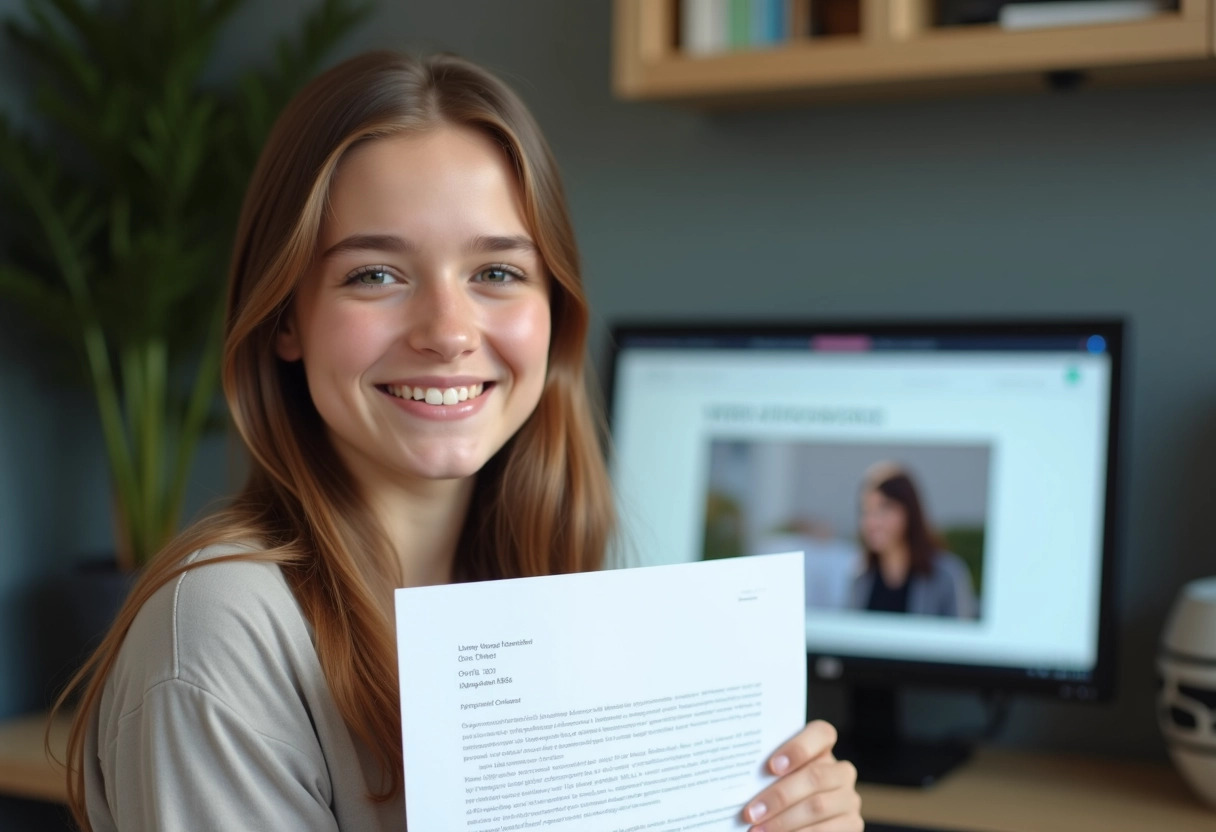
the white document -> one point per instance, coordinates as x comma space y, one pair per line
630, 699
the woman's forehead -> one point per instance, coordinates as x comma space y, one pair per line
445, 179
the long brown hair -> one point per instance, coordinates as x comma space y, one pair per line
543, 502
922, 540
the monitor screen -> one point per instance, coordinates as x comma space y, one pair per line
950, 485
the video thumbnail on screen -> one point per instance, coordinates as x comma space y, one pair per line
890, 528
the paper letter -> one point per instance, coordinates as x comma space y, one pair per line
630, 699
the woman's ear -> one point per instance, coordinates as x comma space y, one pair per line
286, 341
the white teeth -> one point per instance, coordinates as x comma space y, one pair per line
435, 396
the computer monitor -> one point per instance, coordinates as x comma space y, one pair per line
950, 484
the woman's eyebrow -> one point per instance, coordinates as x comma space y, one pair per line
399, 245
507, 242
370, 242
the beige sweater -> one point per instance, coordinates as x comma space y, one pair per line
217, 716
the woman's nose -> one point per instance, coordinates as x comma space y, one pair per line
443, 322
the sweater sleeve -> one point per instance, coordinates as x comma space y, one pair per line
185, 760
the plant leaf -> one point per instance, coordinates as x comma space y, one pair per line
115, 223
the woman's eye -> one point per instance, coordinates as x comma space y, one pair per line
372, 277
499, 274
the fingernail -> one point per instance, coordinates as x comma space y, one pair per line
756, 812
781, 763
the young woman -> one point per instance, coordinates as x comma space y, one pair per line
404, 362
907, 569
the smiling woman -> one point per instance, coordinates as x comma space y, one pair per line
430, 281
404, 361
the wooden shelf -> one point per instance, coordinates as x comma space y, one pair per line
894, 50
25, 770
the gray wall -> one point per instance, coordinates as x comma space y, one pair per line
1097, 202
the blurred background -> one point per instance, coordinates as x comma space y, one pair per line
1088, 201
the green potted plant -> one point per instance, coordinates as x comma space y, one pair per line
117, 206
118, 199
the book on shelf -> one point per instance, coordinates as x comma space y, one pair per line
770, 22
1075, 13
709, 27
906, 18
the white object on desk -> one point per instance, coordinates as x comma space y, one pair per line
1186, 701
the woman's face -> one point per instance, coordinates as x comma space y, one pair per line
423, 326
884, 522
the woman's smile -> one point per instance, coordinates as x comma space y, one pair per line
439, 401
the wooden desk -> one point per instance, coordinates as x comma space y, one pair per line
24, 769
998, 791
1007, 791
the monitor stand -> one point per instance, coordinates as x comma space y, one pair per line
876, 745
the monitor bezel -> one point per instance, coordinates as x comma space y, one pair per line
1100, 686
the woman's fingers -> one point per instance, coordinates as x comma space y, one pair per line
813, 790
820, 788
815, 740
817, 792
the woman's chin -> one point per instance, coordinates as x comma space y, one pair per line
445, 473
446, 467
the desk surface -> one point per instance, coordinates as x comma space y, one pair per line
998, 791
25, 770
1007, 791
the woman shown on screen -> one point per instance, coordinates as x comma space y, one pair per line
404, 362
906, 569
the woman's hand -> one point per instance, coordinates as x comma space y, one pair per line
813, 791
